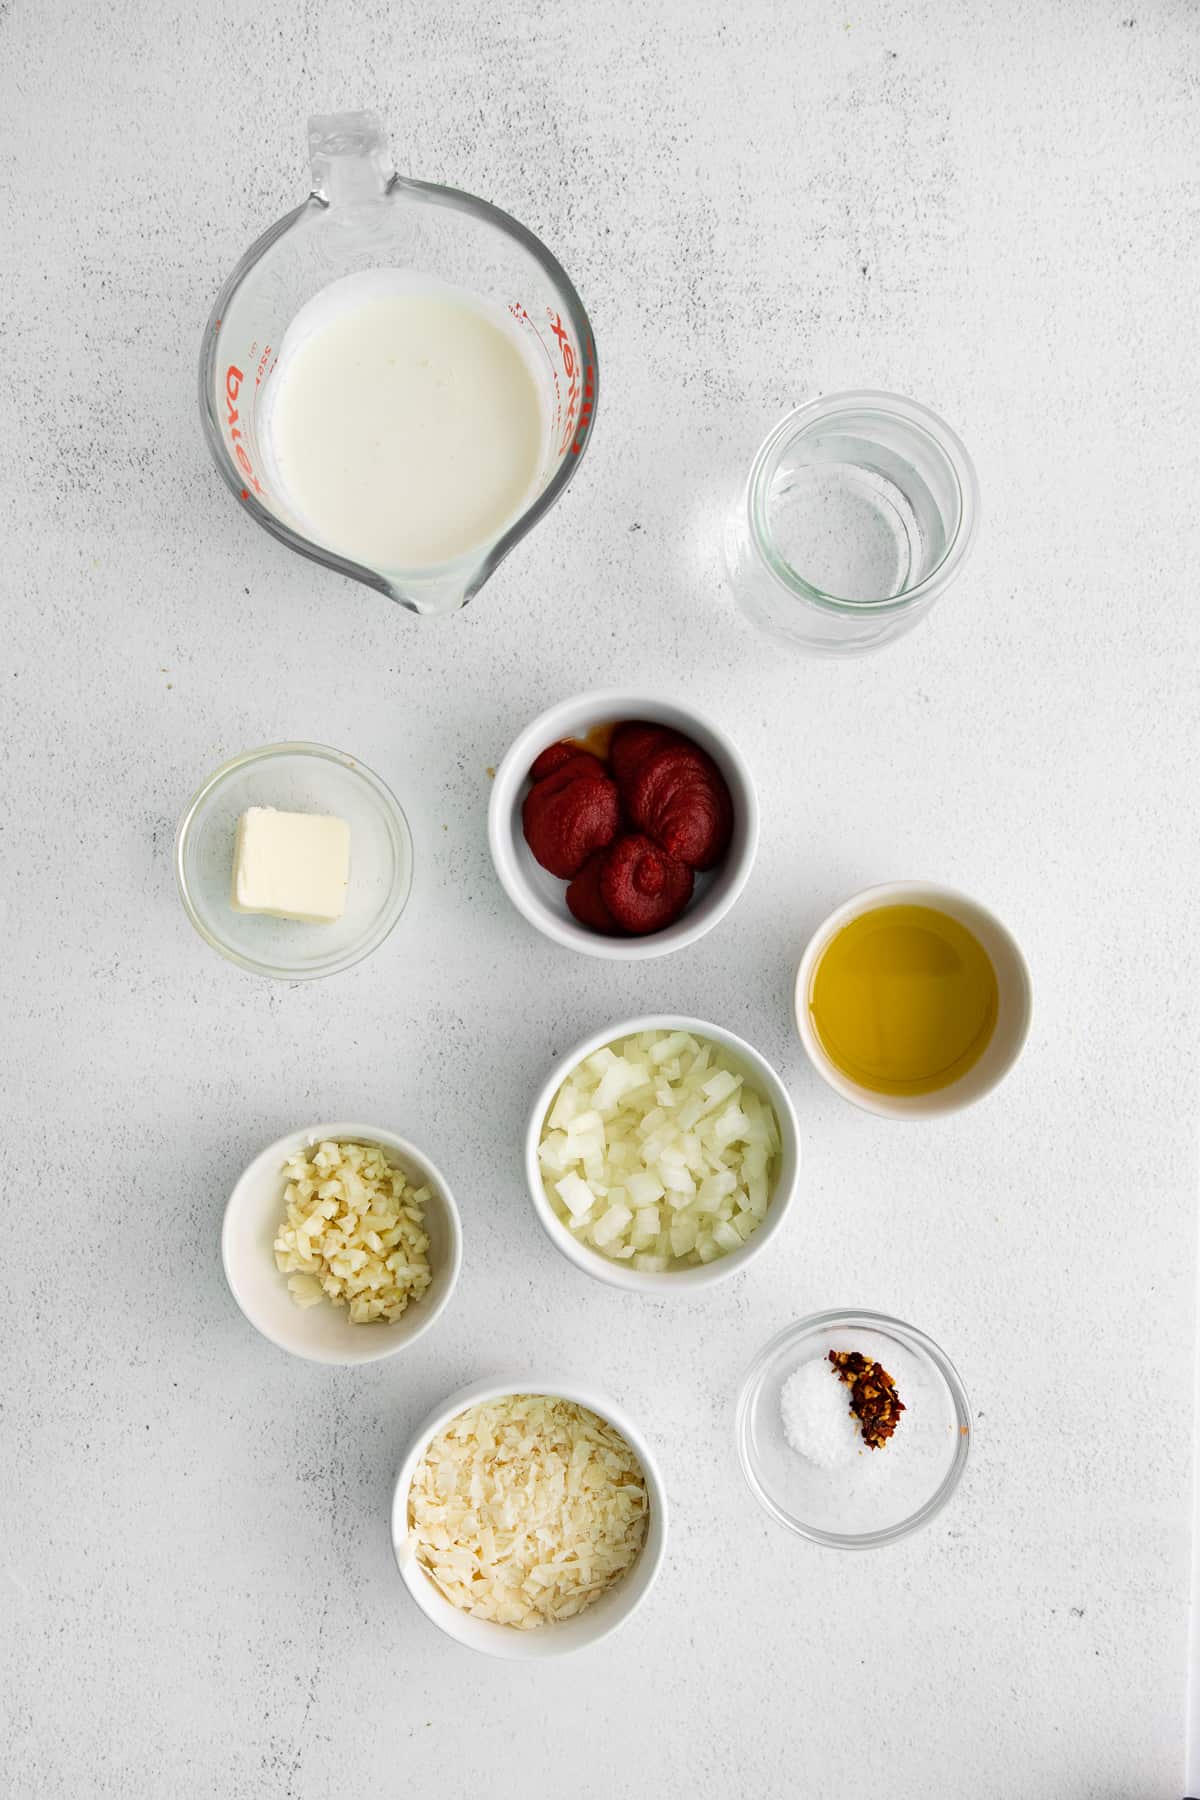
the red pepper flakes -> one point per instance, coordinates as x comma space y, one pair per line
873, 1397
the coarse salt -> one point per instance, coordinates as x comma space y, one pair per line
817, 1420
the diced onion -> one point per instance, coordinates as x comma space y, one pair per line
659, 1150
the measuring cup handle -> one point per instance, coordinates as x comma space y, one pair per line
349, 157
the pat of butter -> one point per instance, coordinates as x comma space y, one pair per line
291, 865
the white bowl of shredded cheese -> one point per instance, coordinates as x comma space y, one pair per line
379, 1278
588, 1538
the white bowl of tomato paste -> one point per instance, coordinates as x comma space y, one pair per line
622, 825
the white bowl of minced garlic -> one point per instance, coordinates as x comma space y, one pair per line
341, 1243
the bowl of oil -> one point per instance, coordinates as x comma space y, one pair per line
912, 1000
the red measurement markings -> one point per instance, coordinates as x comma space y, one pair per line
233, 387
581, 389
589, 401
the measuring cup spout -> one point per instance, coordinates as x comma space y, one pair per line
435, 596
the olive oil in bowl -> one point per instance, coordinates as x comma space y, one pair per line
903, 1000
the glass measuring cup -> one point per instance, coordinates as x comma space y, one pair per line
859, 511
361, 215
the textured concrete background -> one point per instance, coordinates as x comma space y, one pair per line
994, 208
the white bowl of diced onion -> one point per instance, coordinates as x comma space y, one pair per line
736, 1212
557, 1638
323, 1332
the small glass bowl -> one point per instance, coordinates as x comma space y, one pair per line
886, 1493
295, 778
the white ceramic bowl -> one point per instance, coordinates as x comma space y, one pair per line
606, 1613
542, 898
1012, 1022
324, 1333
669, 1281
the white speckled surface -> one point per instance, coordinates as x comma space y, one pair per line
992, 208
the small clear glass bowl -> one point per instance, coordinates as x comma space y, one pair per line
883, 1494
295, 778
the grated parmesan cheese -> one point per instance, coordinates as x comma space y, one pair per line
353, 1232
526, 1509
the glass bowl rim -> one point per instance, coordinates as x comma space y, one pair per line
916, 417
831, 1319
398, 831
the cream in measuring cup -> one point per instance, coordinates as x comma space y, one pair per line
404, 422
430, 370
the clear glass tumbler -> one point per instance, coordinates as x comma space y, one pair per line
859, 512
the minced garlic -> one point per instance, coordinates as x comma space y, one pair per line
525, 1510
353, 1232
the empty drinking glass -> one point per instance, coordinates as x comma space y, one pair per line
859, 512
